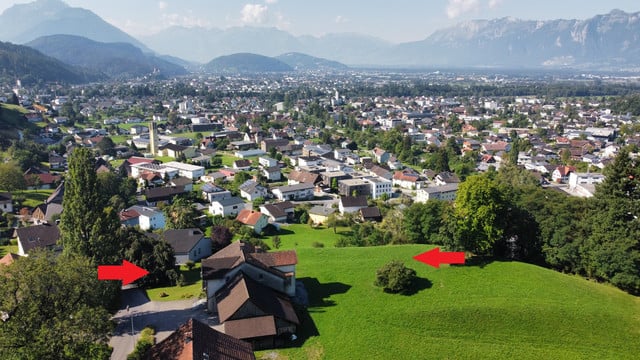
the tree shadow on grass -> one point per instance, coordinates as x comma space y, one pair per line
478, 261
418, 285
311, 297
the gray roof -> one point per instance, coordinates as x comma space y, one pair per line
234, 200
183, 240
321, 210
441, 189
38, 236
296, 187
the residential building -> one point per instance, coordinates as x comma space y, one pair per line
251, 190
6, 202
43, 236
147, 218
352, 204
299, 177
319, 214
445, 192
407, 180
272, 173
188, 244
380, 186
561, 173
212, 192
302, 191
194, 340
253, 219
576, 178
227, 207
354, 187
193, 172
278, 212
371, 213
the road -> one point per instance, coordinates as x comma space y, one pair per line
165, 316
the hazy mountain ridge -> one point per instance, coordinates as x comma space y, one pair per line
117, 60
299, 61
22, 23
29, 65
246, 63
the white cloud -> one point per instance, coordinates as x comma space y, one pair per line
188, 20
341, 19
254, 14
270, 1
456, 8
494, 3
162, 5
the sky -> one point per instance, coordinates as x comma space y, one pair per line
392, 20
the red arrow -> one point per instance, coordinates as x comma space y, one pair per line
434, 257
127, 272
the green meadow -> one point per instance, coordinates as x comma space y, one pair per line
497, 310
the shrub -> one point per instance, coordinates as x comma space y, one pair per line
276, 242
317, 244
394, 277
146, 341
190, 265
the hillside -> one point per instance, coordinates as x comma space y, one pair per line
246, 63
502, 310
12, 121
117, 60
30, 66
22, 23
300, 61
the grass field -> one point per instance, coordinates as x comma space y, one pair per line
191, 290
298, 236
5, 249
33, 198
502, 310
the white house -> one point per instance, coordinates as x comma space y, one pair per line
188, 244
227, 207
193, 172
6, 203
147, 218
445, 192
267, 161
352, 204
303, 191
213, 192
252, 190
380, 186
161, 169
576, 178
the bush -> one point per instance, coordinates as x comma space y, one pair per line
146, 341
190, 265
317, 244
394, 277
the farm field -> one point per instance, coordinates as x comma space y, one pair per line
499, 310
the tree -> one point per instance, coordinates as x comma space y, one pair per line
276, 242
81, 204
479, 213
181, 215
154, 255
53, 309
394, 277
106, 146
11, 177
220, 236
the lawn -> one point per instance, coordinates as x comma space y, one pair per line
33, 198
191, 290
298, 236
500, 310
227, 158
5, 249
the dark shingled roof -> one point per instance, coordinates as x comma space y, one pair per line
183, 240
242, 289
197, 341
38, 236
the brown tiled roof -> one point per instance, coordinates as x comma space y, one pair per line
251, 327
304, 177
194, 339
249, 217
236, 253
351, 201
243, 289
276, 258
9, 258
371, 213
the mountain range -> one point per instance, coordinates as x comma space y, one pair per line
604, 42
116, 60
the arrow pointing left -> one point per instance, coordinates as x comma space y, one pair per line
127, 272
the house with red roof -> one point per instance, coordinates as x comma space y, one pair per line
253, 219
561, 173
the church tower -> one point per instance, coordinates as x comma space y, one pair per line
153, 133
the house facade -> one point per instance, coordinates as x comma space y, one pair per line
445, 192
303, 191
188, 244
227, 207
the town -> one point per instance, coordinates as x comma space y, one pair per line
226, 170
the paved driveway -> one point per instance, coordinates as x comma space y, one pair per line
165, 316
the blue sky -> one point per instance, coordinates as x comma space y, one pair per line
392, 20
